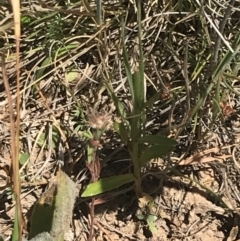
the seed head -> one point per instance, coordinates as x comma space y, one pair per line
97, 120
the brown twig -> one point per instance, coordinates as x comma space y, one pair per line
92, 220
94, 168
15, 132
14, 146
103, 229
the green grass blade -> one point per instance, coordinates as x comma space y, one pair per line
157, 140
126, 64
140, 85
155, 152
138, 92
227, 58
230, 87
137, 123
120, 108
99, 11
217, 73
201, 100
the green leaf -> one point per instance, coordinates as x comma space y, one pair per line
107, 184
140, 216
67, 192
23, 158
152, 227
55, 138
155, 152
42, 215
72, 75
46, 63
157, 140
53, 211
151, 218
41, 139
25, 19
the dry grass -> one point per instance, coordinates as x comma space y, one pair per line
66, 61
